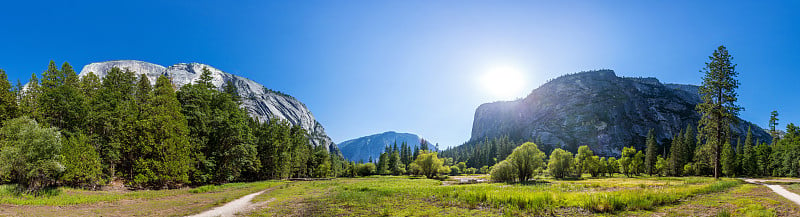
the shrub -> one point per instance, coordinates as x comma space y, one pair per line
30, 155
504, 172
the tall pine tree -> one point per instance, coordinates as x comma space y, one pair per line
650, 153
718, 109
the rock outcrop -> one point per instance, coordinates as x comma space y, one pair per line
597, 109
372, 146
261, 102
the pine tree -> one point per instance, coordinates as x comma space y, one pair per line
773, 122
728, 160
763, 152
676, 155
383, 164
29, 103
718, 109
650, 157
8, 99
689, 144
749, 165
112, 111
61, 101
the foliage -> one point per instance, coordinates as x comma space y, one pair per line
650, 154
631, 162
504, 172
583, 160
8, 99
718, 109
30, 155
429, 165
560, 164
527, 160
481, 153
82, 163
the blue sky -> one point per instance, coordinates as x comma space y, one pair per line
365, 67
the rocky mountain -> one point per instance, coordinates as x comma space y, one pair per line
371, 146
260, 102
598, 109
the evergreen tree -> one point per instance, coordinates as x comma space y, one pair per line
773, 122
763, 152
650, 158
81, 163
728, 160
8, 99
423, 145
90, 86
112, 111
61, 99
676, 155
383, 164
395, 166
718, 109
29, 103
749, 164
164, 156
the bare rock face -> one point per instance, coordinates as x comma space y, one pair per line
597, 109
261, 102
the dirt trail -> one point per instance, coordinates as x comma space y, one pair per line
231, 208
778, 189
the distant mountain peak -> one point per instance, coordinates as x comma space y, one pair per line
363, 148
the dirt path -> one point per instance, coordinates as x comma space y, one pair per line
777, 189
231, 208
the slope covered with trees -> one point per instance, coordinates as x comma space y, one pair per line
87, 131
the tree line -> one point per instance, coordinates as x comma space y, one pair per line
87, 131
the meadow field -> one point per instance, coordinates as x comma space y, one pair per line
411, 196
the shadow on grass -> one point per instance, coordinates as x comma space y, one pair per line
20, 191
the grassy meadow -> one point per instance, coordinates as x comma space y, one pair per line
405, 196
412, 196
76, 202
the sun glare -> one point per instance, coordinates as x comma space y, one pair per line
504, 83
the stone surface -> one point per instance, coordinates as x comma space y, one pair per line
261, 102
597, 109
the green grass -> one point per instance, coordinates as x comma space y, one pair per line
404, 196
71, 196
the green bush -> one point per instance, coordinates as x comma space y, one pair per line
30, 155
504, 172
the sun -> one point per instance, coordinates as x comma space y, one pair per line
504, 82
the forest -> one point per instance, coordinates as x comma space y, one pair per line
86, 132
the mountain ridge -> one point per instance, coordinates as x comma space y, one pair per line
598, 109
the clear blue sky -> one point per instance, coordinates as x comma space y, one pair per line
365, 67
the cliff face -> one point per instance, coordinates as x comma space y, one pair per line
371, 146
597, 109
261, 102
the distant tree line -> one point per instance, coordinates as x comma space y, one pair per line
88, 131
